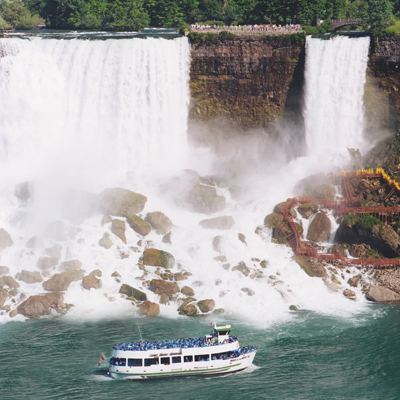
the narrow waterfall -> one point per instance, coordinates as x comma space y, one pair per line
333, 110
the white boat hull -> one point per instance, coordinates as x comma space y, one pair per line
203, 368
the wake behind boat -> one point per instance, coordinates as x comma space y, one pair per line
215, 354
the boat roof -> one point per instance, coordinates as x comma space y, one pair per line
222, 328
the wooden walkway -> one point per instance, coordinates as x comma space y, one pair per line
339, 207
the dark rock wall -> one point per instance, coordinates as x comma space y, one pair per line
246, 80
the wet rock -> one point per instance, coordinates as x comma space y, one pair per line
320, 228
91, 282
242, 238
150, 309
24, 191
222, 223
3, 297
353, 282
281, 232
159, 221
220, 259
106, 242
118, 229
187, 291
217, 244
382, 294
264, 264
139, 225
189, 310
158, 258
132, 292
4, 270
96, 273
35, 306
106, 219
218, 311
13, 313
206, 305
248, 291
293, 308
35, 242
56, 300
71, 265
164, 299
243, 268
30, 277
315, 186
307, 209
8, 281
116, 274
311, 266
349, 293
180, 277
122, 202
45, 263
159, 286
167, 238
5, 239
61, 282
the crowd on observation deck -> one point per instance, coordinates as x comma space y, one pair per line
171, 344
248, 28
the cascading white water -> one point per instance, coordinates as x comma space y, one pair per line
80, 114
335, 78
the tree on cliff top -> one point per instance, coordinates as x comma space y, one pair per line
377, 14
13, 14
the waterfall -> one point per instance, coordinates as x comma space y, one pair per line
333, 110
83, 106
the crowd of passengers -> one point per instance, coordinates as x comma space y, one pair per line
172, 344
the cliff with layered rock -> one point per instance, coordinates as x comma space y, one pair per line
247, 80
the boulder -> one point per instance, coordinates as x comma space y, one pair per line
159, 221
24, 191
116, 274
180, 277
3, 297
106, 219
132, 292
349, 293
315, 186
74, 275
382, 294
248, 291
243, 268
353, 282
217, 244
96, 272
307, 209
138, 225
222, 223
61, 282
311, 266
187, 291
8, 281
206, 305
56, 299
71, 265
167, 238
158, 258
35, 242
45, 263
281, 232
150, 309
118, 229
35, 306
13, 313
164, 299
30, 277
91, 282
189, 310
5, 239
122, 202
320, 228
106, 242
204, 199
272, 220
159, 286
4, 270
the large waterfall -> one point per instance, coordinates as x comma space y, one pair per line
91, 114
335, 78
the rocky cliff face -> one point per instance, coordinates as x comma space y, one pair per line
246, 80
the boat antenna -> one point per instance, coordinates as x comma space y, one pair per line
140, 333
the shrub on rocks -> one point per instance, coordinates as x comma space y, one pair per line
122, 202
149, 309
30, 277
138, 225
159, 221
158, 258
222, 223
132, 292
159, 286
206, 305
5, 239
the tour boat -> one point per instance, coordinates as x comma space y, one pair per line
215, 354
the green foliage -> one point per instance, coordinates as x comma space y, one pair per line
377, 14
13, 14
226, 35
393, 29
365, 222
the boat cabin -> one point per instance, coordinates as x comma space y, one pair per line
221, 333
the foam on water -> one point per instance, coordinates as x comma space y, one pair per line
94, 114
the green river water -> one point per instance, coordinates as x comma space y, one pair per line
310, 357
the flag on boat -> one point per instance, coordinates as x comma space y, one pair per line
102, 358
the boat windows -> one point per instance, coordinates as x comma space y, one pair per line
188, 358
224, 332
150, 361
118, 361
176, 360
135, 362
165, 360
220, 356
202, 357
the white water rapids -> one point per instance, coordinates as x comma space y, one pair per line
91, 114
